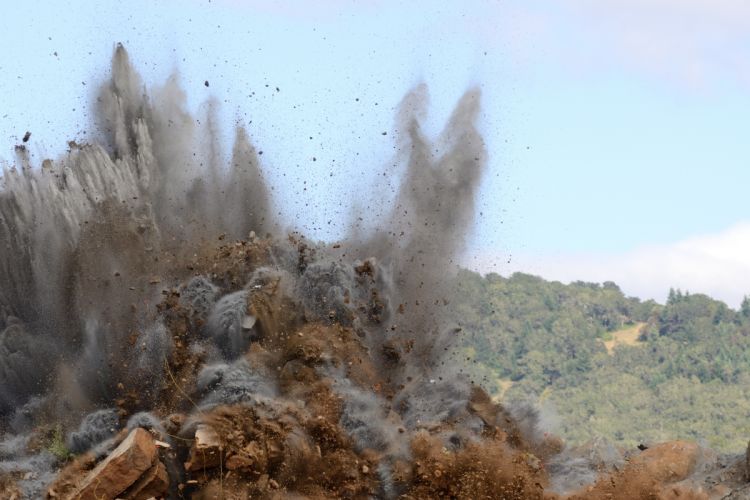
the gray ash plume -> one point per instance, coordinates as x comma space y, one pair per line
91, 233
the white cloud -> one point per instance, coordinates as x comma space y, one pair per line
691, 40
715, 264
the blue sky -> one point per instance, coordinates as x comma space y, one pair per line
617, 131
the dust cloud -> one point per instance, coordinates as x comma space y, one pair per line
145, 282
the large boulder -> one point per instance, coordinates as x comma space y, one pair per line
128, 463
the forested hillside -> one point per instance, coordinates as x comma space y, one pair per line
609, 365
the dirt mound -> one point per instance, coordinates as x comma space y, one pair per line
289, 416
652, 473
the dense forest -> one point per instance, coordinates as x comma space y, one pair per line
600, 364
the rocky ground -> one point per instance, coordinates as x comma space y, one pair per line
220, 431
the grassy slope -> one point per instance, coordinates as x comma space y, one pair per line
627, 336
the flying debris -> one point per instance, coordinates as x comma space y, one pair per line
160, 336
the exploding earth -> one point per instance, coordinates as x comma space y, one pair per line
163, 336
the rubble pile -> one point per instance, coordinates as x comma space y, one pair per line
274, 420
162, 337
272, 423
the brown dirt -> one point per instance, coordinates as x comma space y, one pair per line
486, 470
9, 490
652, 474
294, 446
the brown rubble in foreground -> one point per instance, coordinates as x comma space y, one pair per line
225, 462
293, 445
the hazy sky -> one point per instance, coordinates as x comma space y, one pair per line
617, 130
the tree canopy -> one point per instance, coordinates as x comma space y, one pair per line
684, 374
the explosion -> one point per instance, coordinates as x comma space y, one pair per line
161, 336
